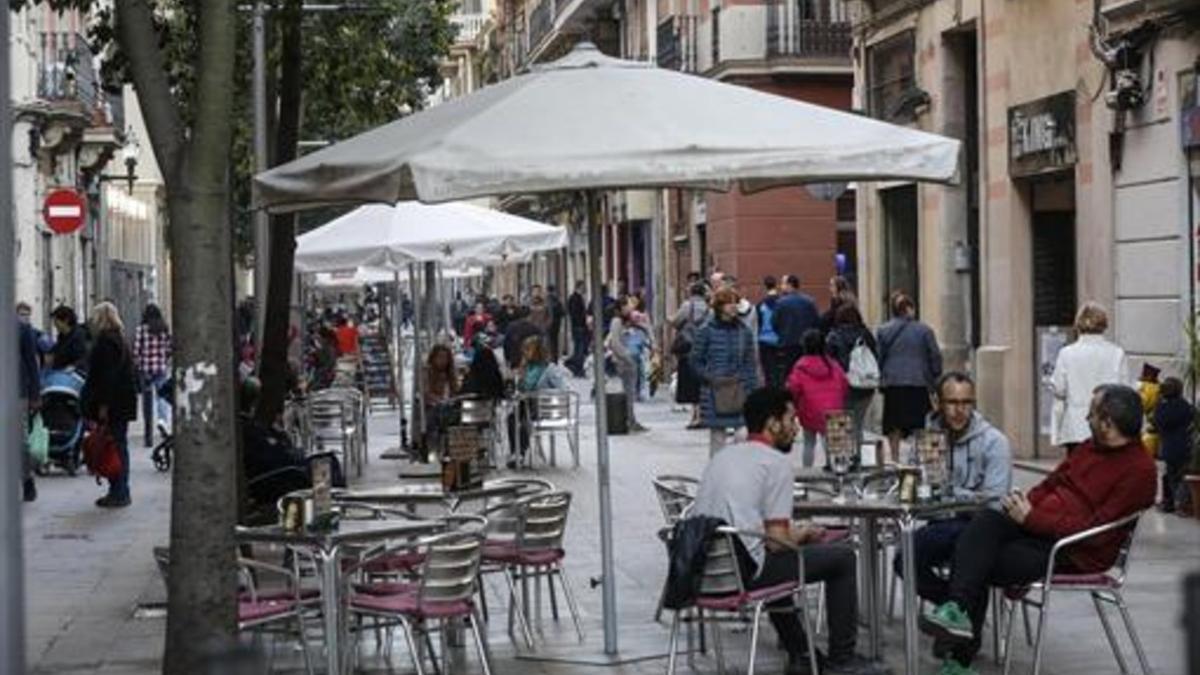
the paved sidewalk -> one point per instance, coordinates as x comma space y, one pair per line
88, 569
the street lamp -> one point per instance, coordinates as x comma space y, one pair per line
129, 156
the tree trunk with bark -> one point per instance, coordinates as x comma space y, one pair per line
273, 366
202, 579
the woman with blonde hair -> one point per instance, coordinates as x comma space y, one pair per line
110, 395
1082, 366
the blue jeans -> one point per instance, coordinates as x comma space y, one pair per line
119, 488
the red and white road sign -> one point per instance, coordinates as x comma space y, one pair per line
64, 211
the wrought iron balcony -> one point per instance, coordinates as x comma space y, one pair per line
66, 71
808, 29
469, 26
678, 43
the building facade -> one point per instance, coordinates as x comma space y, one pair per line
1075, 182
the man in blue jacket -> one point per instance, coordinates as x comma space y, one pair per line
795, 314
30, 396
980, 461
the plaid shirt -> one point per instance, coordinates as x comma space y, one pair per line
152, 352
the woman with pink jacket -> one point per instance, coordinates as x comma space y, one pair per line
817, 385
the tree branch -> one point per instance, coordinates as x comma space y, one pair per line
147, 68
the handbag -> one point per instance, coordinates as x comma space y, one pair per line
101, 454
38, 440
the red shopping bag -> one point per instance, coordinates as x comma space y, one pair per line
101, 454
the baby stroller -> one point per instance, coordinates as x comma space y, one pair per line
161, 454
62, 413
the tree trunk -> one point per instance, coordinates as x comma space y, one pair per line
202, 585
273, 366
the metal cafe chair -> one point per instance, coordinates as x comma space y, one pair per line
675, 494
334, 425
550, 413
275, 611
442, 595
723, 593
1104, 587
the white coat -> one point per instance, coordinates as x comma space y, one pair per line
1082, 366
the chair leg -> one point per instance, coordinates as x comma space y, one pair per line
997, 617
484, 659
575, 443
1028, 625
412, 646
1133, 636
550, 572
658, 610
1108, 632
758, 608
1043, 615
514, 605
482, 596
1008, 636
569, 595
806, 621
672, 643
718, 648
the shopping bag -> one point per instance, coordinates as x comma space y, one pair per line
101, 454
38, 440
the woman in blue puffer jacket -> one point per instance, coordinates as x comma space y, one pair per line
724, 347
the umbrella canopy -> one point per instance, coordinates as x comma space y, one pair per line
392, 237
589, 121
374, 275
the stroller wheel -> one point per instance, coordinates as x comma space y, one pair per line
161, 455
71, 465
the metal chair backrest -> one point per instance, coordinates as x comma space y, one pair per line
528, 487
1121, 566
451, 567
553, 406
545, 522
674, 494
722, 575
476, 412
505, 521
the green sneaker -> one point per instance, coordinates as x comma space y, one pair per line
952, 667
947, 621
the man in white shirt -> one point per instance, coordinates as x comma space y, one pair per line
749, 486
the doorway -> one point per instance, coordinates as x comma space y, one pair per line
900, 245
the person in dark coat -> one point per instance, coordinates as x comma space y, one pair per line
30, 398
70, 350
724, 347
557, 314
577, 307
110, 395
910, 363
518, 331
1173, 419
795, 314
847, 332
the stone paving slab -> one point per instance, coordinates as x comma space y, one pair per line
87, 569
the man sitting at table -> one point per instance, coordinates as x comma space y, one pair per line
1105, 479
980, 462
749, 486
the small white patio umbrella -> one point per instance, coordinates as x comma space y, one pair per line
590, 122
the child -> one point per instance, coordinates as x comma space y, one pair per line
1173, 420
1148, 390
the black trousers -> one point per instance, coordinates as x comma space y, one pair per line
833, 564
772, 365
993, 550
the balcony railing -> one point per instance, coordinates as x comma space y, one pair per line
541, 21
66, 71
469, 26
678, 43
808, 29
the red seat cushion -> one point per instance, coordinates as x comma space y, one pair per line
731, 602
833, 535
406, 603
262, 609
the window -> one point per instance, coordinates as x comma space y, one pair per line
892, 77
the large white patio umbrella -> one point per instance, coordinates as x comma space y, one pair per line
390, 237
590, 122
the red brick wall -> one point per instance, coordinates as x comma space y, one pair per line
781, 231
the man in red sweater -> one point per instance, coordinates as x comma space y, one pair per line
1105, 479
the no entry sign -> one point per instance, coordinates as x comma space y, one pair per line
64, 211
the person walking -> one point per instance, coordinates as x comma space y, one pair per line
723, 358
625, 361
152, 354
110, 394
818, 386
70, 349
1173, 418
30, 399
849, 333
691, 315
840, 294
910, 363
795, 313
768, 337
577, 307
1082, 366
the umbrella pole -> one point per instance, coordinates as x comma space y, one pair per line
418, 398
608, 579
398, 331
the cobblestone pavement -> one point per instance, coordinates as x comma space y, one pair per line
88, 569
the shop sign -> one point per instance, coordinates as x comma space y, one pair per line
1041, 135
1190, 123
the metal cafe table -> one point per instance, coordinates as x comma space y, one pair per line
429, 493
326, 548
868, 511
